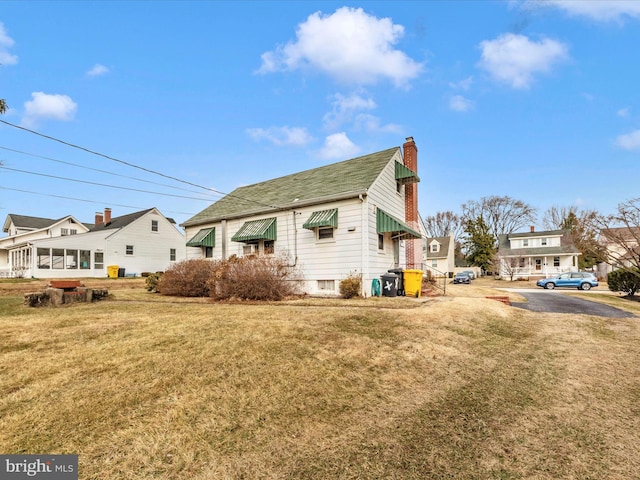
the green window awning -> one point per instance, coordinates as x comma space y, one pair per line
388, 223
264, 229
204, 238
405, 174
322, 218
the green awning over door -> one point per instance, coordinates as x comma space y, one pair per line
322, 218
264, 229
388, 223
204, 238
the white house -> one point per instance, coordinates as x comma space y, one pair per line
622, 248
440, 255
536, 254
144, 241
358, 216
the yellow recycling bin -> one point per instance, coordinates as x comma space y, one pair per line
412, 282
112, 271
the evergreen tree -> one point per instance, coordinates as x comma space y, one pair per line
480, 243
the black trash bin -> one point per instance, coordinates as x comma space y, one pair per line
389, 285
400, 273
121, 272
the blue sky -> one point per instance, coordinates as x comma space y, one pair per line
537, 100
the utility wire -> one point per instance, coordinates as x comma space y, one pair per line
98, 170
103, 184
133, 165
84, 200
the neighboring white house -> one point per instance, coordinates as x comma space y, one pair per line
144, 241
440, 255
536, 254
358, 216
622, 248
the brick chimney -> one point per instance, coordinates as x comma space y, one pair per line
99, 219
413, 247
533, 229
107, 216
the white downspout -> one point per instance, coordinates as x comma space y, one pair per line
364, 245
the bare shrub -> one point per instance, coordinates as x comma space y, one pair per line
262, 277
187, 278
351, 286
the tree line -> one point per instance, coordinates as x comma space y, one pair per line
476, 230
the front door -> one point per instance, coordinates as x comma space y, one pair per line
396, 252
538, 264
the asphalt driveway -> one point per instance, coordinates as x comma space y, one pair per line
556, 302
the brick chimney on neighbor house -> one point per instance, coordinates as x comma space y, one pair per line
533, 229
103, 219
413, 247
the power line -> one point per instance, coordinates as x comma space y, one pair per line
84, 200
96, 169
133, 165
102, 184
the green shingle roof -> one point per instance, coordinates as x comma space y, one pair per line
353, 176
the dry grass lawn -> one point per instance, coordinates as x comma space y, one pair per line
458, 387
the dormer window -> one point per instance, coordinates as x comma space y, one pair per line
435, 247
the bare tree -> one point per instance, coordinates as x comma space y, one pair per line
444, 224
503, 215
555, 217
620, 234
584, 231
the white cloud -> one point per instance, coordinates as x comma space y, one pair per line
630, 141
6, 42
462, 84
624, 112
458, 103
338, 147
348, 45
344, 109
371, 123
599, 10
281, 136
514, 59
97, 70
46, 106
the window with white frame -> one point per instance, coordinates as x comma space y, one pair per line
434, 263
556, 261
435, 247
85, 259
525, 242
154, 225
98, 260
172, 254
64, 231
380, 241
128, 250
327, 285
73, 231
325, 233
543, 242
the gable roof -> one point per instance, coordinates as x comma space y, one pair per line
566, 244
444, 247
121, 221
344, 179
27, 222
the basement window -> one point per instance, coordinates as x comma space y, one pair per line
327, 285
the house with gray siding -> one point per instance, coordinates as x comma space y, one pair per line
357, 217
